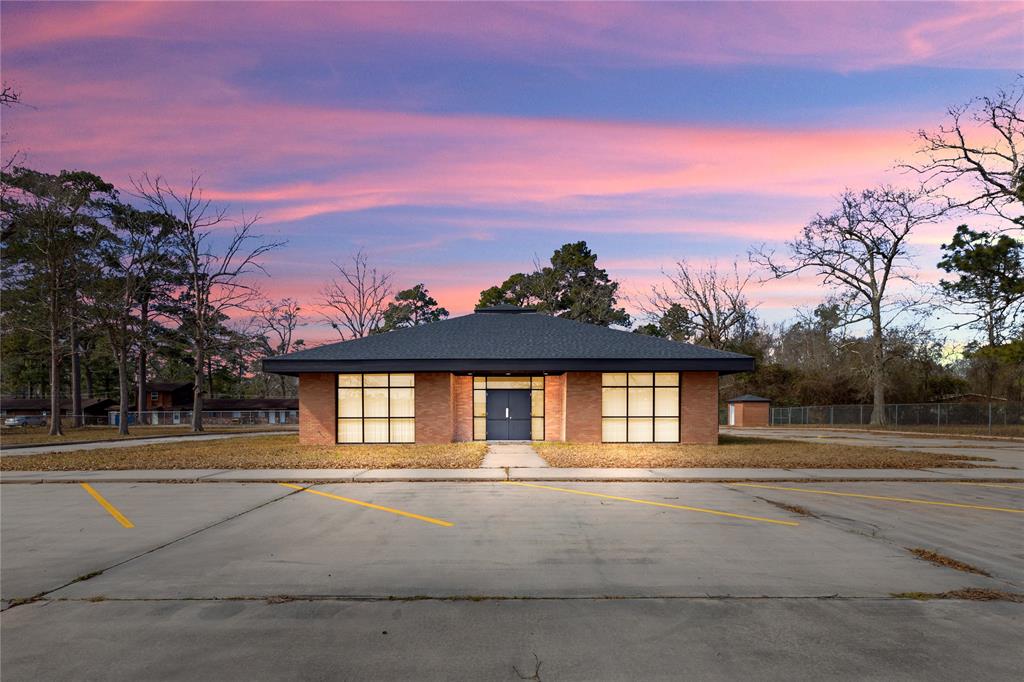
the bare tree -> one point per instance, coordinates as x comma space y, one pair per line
974, 160
279, 321
356, 297
860, 250
704, 305
215, 281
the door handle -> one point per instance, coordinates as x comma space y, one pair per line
506, 413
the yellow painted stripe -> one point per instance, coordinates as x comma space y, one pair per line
428, 519
991, 485
655, 504
882, 497
121, 518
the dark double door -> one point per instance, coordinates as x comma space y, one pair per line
508, 414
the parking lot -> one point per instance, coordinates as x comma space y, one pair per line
475, 580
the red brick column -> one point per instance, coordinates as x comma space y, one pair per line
318, 423
583, 407
462, 399
434, 407
699, 408
554, 408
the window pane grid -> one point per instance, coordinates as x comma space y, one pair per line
534, 384
640, 407
376, 408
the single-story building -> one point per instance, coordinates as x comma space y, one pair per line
14, 407
508, 373
749, 410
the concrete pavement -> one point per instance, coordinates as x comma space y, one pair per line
512, 454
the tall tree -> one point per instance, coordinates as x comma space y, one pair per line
703, 305
411, 307
571, 286
976, 158
50, 224
279, 321
215, 280
860, 250
356, 297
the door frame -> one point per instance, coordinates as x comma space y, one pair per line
537, 384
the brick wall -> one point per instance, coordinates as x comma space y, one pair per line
317, 420
434, 407
554, 412
751, 414
698, 398
462, 398
583, 407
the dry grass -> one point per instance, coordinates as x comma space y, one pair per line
738, 452
943, 560
30, 435
968, 593
254, 452
946, 430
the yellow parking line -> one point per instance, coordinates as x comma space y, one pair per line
655, 504
121, 518
990, 485
370, 505
883, 498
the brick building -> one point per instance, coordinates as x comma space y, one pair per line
508, 373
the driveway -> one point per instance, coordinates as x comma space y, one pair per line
472, 580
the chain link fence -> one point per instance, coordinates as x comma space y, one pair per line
177, 417
995, 418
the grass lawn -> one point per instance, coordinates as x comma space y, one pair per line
255, 452
738, 452
27, 435
998, 430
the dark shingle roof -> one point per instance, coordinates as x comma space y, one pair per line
507, 338
748, 398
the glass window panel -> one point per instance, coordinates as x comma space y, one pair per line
666, 430
613, 379
641, 430
479, 403
537, 428
613, 402
537, 403
350, 402
508, 382
537, 382
375, 380
479, 429
403, 402
666, 402
666, 379
641, 402
350, 430
613, 430
403, 379
403, 430
375, 430
349, 380
479, 382
375, 402
641, 379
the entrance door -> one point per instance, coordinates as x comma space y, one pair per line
508, 414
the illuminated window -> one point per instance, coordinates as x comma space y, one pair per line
376, 408
640, 407
482, 384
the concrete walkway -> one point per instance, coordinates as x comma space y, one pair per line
131, 442
512, 454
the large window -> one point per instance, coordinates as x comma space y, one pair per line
376, 408
640, 407
482, 384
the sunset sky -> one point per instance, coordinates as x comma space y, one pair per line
455, 143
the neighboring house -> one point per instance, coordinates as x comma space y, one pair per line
749, 410
171, 403
164, 395
508, 373
13, 407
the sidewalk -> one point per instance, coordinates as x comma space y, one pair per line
506, 474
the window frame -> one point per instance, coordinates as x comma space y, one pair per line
362, 408
654, 416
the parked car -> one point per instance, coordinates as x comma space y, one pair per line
26, 420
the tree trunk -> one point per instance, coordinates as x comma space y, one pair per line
197, 391
55, 426
141, 369
88, 380
122, 382
209, 375
77, 418
877, 369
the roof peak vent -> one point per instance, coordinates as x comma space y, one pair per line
505, 308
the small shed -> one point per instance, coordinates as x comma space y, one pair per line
749, 410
